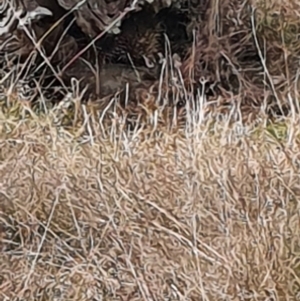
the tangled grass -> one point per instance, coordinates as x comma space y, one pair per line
206, 214
90, 210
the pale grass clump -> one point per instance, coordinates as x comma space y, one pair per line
210, 214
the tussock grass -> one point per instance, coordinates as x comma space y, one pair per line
207, 215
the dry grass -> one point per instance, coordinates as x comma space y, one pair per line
205, 215
92, 211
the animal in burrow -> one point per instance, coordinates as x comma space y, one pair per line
143, 36
139, 40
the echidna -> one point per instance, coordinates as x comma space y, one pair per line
143, 36
140, 38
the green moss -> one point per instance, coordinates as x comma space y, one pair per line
277, 130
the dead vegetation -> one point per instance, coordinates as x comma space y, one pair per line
165, 191
105, 215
